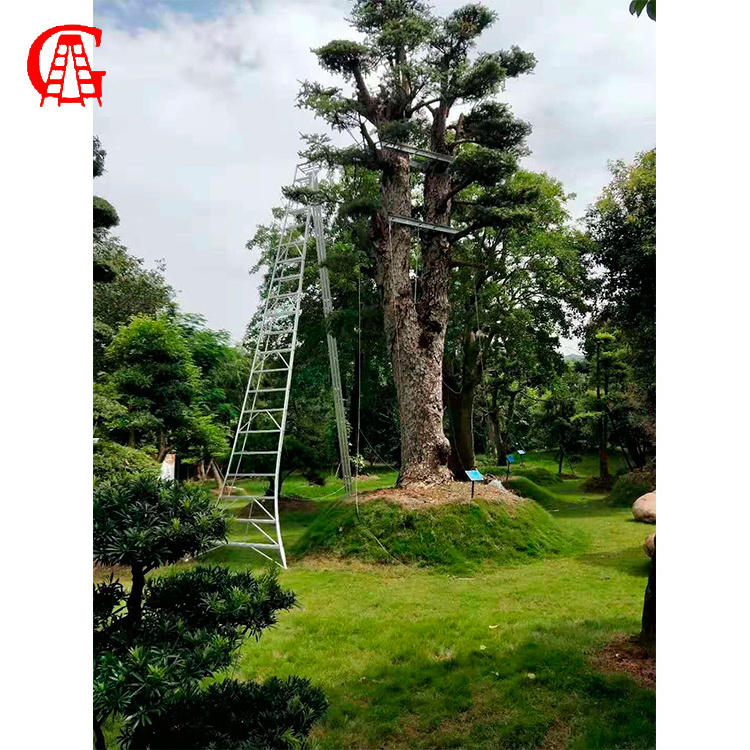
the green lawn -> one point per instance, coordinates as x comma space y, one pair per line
414, 658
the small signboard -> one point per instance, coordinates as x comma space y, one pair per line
510, 459
474, 475
167, 467
521, 452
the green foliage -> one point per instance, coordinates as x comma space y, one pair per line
143, 522
112, 459
132, 290
155, 647
236, 715
637, 6
454, 536
629, 487
105, 215
154, 374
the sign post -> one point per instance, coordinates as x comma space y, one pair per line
508, 461
474, 476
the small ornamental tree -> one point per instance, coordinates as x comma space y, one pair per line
155, 646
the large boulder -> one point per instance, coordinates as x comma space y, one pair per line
644, 508
650, 544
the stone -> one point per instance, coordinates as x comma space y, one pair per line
644, 508
650, 544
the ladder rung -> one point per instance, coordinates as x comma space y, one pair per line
285, 331
286, 295
267, 352
266, 390
273, 369
299, 211
255, 432
254, 545
247, 497
261, 409
256, 520
255, 474
255, 453
289, 261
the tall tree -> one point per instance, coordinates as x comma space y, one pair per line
409, 75
517, 291
622, 225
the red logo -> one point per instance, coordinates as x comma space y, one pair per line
69, 49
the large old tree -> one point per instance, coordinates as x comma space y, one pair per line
413, 80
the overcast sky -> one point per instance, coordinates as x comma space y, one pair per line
201, 131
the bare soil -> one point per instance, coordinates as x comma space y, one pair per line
421, 496
625, 655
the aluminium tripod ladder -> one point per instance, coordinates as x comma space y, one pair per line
258, 443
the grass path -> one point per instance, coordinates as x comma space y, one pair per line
415, 658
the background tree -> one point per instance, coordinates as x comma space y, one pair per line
155, 647
516, 291
622, 225
410, 73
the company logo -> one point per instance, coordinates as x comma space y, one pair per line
69, 60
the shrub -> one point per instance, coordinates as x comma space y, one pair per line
159, 647
628, 488
112, 460
537, 474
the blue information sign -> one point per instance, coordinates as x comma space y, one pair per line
474, 475
510, 459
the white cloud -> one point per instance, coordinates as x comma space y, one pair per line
201, 130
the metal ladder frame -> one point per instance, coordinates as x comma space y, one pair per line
305, 175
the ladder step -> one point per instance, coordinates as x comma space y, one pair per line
253, 545
256, 520
255, 474
247, 497
273, 369
286, 295
289, 261
266, 390
255, 453
255, 432
299, 211
267, 352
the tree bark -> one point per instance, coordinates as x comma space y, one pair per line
460, 407
415, 333
648, 619
135, 599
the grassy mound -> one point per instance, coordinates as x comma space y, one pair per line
458, 536
529, 489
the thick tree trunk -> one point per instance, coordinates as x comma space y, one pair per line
415, 333
460, 406
163, 448
648, 619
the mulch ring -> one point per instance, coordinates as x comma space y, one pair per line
420, 496
624, 655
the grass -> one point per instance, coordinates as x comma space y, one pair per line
457, 538
419, 657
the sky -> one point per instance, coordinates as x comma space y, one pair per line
201, 130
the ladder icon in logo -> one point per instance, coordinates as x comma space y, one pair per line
70, 49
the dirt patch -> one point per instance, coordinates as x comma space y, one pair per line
557, 737
625, 655
419, 496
